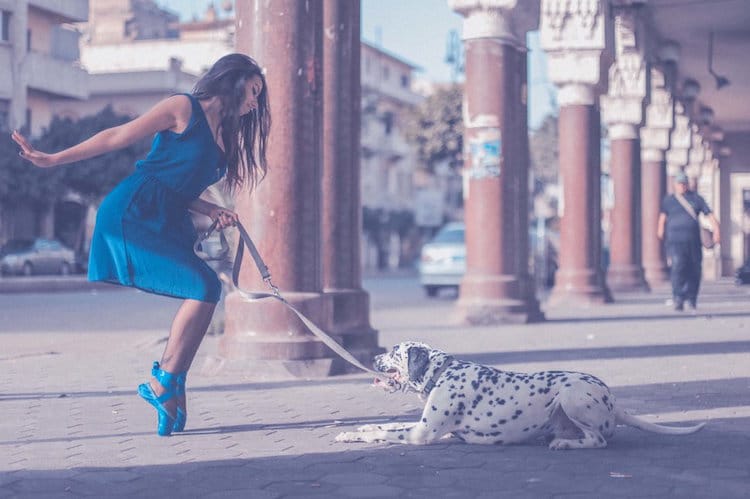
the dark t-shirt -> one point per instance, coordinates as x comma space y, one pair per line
681, 227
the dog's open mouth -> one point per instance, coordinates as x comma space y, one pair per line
393, 382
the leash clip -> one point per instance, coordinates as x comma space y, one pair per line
273, 287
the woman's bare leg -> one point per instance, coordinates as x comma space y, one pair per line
188, 329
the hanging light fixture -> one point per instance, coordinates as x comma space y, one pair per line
721, 81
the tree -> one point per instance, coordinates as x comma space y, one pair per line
544, 152
22, 183
94, 177
436, 128
11, 172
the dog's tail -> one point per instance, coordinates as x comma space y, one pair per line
642, 424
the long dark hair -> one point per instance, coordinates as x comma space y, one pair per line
249, 133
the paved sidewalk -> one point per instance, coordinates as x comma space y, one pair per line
72, 425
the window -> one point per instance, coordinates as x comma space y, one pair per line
388, 122
4, 115
28, 40
5, 26
405, 81
386, 72
28, 119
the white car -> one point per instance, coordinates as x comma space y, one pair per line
443, 259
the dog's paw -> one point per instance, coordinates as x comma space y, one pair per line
349, 436
559, 444
368, 427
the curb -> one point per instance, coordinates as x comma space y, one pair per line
47, 284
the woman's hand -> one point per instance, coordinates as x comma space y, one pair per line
225, 217
38, 158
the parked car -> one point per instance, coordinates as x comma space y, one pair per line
38, 256
742, 274
443, 260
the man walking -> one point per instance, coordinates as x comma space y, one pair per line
679, 221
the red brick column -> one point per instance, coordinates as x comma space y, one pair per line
495, 288
653, 189
625, 272
580, 279
342, 211
576, 62
284, 214
655, 140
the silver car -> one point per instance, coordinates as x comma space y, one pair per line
38, 256
443, 260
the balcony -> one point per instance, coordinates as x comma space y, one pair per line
55, 76
68, 11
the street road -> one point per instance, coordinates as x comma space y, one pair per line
122, 309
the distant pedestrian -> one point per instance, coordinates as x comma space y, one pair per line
678, 221
144, 236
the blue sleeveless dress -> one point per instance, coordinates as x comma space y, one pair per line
144, 235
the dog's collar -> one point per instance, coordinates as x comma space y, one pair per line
436, 375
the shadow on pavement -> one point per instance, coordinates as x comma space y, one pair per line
625, 352
625, 317
635, 464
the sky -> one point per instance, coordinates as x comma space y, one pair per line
417, 31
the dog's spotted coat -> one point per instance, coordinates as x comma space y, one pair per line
483, 405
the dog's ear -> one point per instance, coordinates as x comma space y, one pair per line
419, 361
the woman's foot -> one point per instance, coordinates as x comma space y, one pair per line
181, 403
161, 393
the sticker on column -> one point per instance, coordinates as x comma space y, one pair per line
484, 151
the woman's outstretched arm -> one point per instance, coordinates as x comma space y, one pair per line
165, 115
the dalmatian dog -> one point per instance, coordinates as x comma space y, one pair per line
482, 405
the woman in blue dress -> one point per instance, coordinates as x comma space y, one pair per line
144, 236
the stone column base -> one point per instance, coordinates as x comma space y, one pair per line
626, 277
496, 299
486, 312
266, 340
727, 266
657, 275
579, 288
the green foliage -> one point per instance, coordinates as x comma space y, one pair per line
544, 151
22, 182
11, 171
95, 177
436, 127
92, 178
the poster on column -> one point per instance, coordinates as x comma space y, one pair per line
485, 148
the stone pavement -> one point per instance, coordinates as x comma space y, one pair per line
71, 424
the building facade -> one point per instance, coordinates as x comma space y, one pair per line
40, 57
132, 73
40, 65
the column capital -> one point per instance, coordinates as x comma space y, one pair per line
577, 37
660, 109
655, 134
621, 113
680, 139
504, 20
654, 142
627, 84
696, 155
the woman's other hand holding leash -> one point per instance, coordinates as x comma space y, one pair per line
225, 217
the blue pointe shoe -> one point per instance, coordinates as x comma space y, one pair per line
181, 419
166, 421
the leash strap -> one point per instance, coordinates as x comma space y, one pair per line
245, 240
685, 204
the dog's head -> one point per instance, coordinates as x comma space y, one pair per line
409, 365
